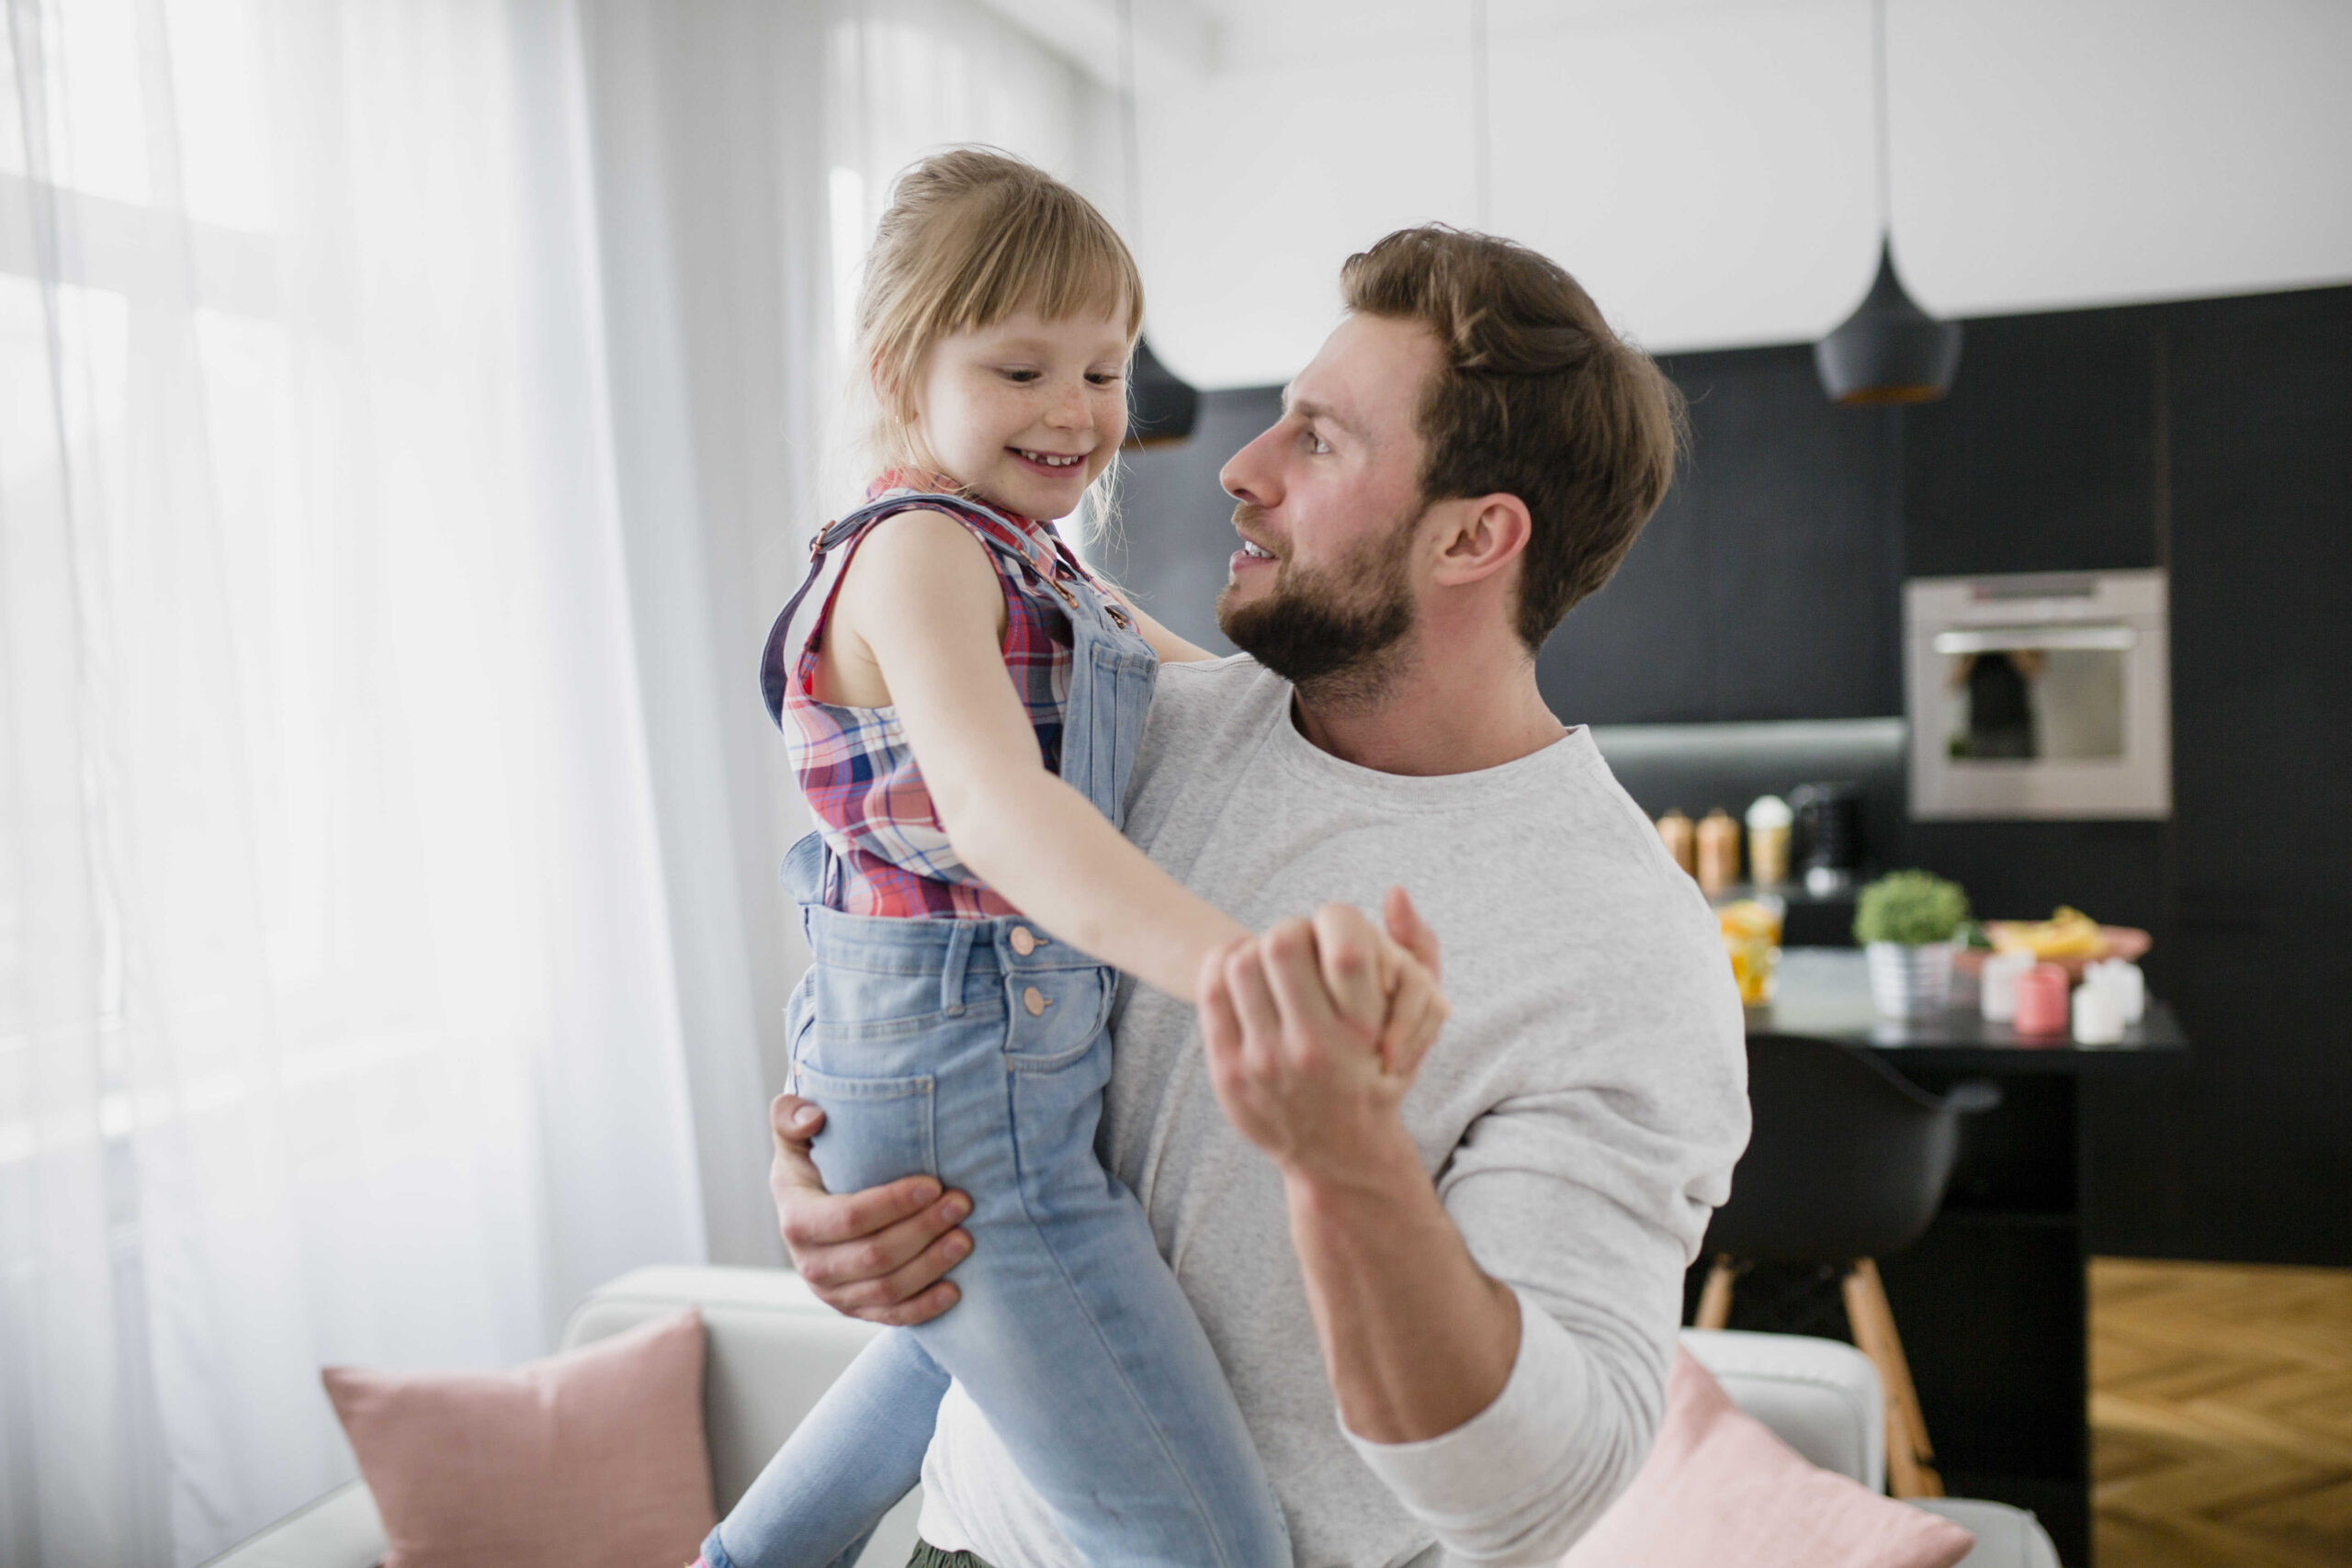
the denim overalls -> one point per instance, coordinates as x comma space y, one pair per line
977, 1051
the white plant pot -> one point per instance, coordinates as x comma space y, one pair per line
1910, 982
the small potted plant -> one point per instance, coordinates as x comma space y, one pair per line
1906, 921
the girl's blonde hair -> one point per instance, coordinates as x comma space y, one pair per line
971, 236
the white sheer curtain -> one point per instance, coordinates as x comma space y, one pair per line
337, 1020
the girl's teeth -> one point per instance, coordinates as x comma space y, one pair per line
1050, 460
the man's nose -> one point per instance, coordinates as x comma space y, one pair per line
1250, 474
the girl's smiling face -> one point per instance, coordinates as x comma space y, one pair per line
1027, 413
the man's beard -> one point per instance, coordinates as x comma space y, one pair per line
1337, 633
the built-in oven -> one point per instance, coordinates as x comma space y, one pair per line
2038, 694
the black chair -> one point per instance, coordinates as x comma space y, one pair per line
1847, 1165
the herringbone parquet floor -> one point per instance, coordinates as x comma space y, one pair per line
2221, 1415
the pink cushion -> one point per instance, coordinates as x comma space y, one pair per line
1720, 1491
594, 1457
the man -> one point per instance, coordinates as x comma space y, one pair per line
1477, 1259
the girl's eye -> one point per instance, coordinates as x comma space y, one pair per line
1104, 378
1020, 377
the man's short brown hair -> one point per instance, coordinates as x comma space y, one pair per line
1537, 398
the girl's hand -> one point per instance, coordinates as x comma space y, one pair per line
1385, 983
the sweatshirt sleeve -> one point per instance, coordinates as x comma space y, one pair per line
1589, 1196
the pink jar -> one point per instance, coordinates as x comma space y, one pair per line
2042, 1001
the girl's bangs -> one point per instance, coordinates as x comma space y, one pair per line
1066, 268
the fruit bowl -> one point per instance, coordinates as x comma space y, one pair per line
2073, 946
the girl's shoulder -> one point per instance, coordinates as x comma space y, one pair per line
1004, 532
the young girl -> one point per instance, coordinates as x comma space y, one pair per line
967, 886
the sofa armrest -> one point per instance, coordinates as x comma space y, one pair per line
341, 1529
1822, 1398
1819, 1396
2006, 1537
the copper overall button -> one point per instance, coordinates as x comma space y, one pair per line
1035, 1000
1023, 942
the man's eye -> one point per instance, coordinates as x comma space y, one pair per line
1317, 445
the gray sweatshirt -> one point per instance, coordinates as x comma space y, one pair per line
1580, 1117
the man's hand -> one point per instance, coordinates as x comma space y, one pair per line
1309, 1051
879, 1254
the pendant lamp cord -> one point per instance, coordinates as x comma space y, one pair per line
1885, 140
1482, 119
1131, 153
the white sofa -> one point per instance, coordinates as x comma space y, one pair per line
773, 1349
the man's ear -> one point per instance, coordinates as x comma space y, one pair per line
1480, 536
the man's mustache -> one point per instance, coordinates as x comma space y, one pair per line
1248, 519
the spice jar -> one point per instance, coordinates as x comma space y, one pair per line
2042, 1001
1718, 838
1768, 823
1681, 846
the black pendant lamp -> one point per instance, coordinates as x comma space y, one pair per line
1162, 407
1889, 350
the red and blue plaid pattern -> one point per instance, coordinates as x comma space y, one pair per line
854, 764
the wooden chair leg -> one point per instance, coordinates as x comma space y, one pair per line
1715, 1297
1905, 1394
1907, 1473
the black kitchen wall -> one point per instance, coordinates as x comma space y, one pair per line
2210, 438
1769, 584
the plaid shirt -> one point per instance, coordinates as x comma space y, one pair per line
854, 764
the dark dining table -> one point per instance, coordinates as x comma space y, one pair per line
1991, 1301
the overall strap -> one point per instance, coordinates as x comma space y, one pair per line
776, 658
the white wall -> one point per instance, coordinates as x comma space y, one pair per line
1705, 166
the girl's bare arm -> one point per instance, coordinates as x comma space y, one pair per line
921, 598
1171, 648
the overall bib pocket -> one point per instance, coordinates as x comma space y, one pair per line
1056, 1016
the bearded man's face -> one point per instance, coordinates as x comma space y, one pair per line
1322, 589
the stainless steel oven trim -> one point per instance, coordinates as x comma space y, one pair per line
1990, 612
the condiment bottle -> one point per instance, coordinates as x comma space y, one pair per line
1675, 830
1718, 838
1768, 821
2042, 1001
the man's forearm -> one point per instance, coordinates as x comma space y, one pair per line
1417, 1338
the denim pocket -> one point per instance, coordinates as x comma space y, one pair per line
1056, 1109
876, 1129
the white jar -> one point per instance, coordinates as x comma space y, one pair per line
2125, 982
2098, 1016
1997, 985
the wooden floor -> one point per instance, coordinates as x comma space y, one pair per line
2221, 1415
